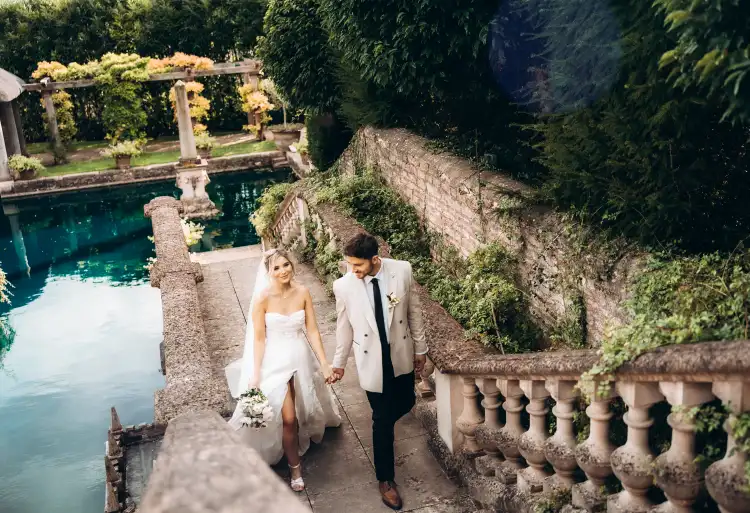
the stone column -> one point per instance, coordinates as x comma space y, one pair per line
725, 479
11, 211
54, 131
10, 131
487, 433
4, 169
511, 432
531, 443
449, 402
593, 455
188, 151
470, 417
677, 473
632, 462
560, 448
19, 127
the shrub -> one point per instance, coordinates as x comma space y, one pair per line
327, 139
123, 149
23, 167
267, 207
204, 141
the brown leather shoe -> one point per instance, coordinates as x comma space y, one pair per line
390, 496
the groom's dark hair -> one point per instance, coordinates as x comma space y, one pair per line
362, 245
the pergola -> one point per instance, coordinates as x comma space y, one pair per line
248, 68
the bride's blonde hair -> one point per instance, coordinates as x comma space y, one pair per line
270, 256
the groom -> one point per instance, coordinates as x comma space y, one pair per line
380, 315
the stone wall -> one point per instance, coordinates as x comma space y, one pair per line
559, 262
154, 173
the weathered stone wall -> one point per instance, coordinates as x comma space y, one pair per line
558, 262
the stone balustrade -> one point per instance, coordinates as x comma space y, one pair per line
203, 466
491, 425
190, 385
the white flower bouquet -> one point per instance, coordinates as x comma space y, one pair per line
255, 407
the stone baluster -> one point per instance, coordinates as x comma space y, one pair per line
593, 455
725, 479
511, 433
560, 448
486, 434
677, 473
423, 387
531, 443
470, 416
632, 462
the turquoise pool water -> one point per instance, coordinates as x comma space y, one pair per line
87, 331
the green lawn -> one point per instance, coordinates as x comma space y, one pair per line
156, 157
43, 147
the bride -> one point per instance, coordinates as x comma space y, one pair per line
279, 361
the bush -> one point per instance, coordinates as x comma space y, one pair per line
25, 168
123, 149
296, 55
267, 207
327, 138
480, 293
204, 141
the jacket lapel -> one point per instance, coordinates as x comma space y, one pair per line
391, 292
360, 287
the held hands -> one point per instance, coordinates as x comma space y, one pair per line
419, 362
336, 375
327, 371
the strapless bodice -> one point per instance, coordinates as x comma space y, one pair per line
280, 325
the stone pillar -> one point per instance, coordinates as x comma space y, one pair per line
10, 131
531, 443
633, 461
4, 169
511, 432
54, 132
725, 478
19, 127
560, 448
593, 455
470, 417
11, 211
188, 151
677, 473
449, 402
488, 432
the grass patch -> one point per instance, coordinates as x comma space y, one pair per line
154, 157
43, 147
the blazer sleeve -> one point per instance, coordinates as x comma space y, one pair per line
414, 315
344, 331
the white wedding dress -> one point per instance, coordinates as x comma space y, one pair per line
287, 356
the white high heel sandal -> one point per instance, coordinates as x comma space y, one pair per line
298, 485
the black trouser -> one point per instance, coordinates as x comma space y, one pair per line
397, 400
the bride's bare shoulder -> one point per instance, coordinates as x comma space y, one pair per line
302, 290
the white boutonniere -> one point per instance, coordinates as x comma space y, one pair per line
392, 300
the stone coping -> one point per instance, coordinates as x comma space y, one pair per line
453, 353
203, 465
144, 174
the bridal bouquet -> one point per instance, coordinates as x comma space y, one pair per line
256, 409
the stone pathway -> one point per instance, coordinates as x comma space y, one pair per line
339, 472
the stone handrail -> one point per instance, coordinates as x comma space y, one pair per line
513, 462
204, 467
190, 386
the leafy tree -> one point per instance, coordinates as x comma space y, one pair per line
711, 51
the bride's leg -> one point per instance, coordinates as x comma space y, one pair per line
290, 437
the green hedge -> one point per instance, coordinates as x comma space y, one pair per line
80, 30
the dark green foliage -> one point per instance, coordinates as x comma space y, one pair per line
296, 54
645, 161
711, 51
327, 139
80, 30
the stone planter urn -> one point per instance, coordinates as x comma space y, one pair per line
123, 162
27, 174
285, 137
204, 153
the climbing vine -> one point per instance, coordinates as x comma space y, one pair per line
679, 300
120, 77
267, 206
199, 105
480, 292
